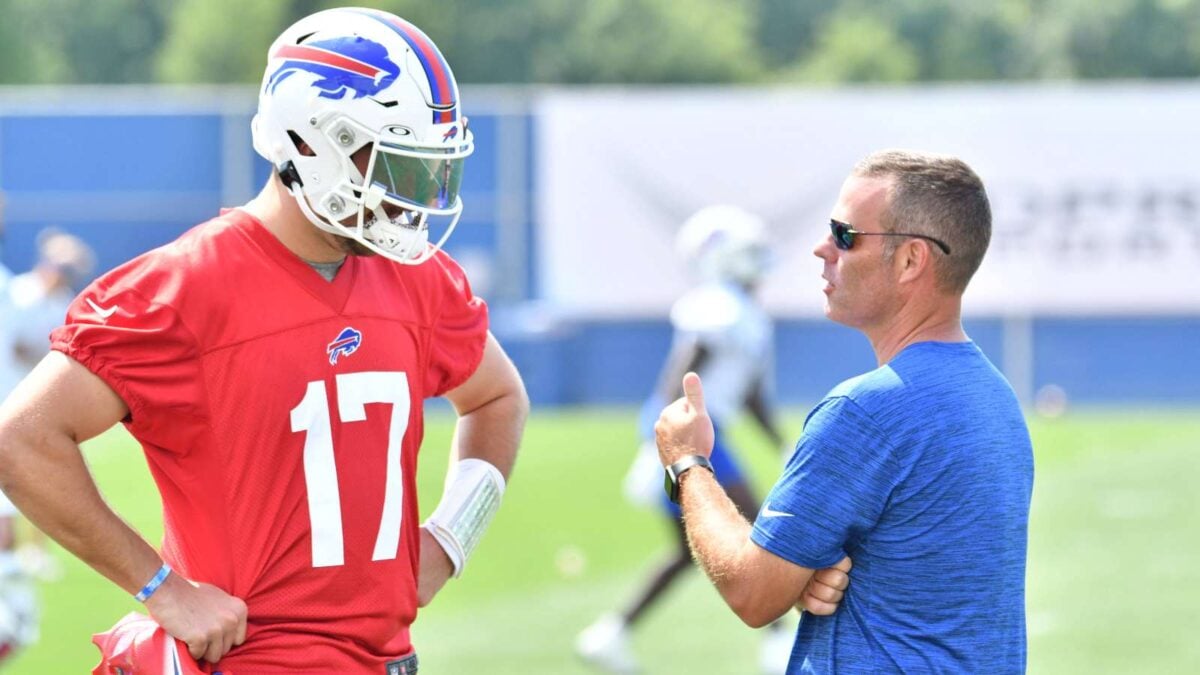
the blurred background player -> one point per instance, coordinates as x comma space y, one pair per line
18, 603
722, 332
41, 296
38, 301
31, 305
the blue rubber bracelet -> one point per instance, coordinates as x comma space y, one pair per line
152, 585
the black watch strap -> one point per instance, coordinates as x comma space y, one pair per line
673, 472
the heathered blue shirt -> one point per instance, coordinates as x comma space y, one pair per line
921, 471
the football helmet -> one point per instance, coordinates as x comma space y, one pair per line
359, 112
724, 243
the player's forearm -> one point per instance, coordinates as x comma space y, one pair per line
46, 478
492, 431
484, 451
715, 528
718, 536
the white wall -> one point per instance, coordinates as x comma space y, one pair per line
1095, 189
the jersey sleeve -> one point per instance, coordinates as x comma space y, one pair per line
141, 348
459, 331
833, 490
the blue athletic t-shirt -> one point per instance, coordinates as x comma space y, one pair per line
921, 471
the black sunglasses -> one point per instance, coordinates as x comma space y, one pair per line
843, 236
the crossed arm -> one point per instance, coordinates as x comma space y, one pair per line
758, 585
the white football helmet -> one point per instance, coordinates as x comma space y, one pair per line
724, 243
343, 79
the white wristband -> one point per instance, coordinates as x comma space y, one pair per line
469, 501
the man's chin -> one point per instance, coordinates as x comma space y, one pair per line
354, 247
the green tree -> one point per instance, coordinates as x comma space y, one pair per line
13, 47
613, 41
217, 41
956, 40
785, 30
1135, 38
64, 41
638, 41
627, 41
858, 47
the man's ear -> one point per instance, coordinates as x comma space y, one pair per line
912, 260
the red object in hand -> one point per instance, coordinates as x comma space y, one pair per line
137, 645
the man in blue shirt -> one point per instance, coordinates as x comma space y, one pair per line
920, 471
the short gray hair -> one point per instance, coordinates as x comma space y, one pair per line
938, 196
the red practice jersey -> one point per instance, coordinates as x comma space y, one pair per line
281, 416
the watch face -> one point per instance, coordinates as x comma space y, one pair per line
671, 487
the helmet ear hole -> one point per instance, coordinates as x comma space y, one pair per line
288, 175
301, 147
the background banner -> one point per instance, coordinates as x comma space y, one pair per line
1095, 189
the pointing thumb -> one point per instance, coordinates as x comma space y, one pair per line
694, 392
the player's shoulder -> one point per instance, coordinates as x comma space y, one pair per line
892, 397
442, 268
183, 278
873, 395
879, 382
181, 267
438, 277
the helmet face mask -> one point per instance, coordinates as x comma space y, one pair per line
344, 80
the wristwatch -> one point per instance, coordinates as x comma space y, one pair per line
671, 482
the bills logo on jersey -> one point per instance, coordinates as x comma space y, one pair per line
346, 343
340, 65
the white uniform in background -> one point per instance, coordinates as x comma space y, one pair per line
738, 340
725, 335
27, 315
18, 602
10, 370
38, 311
737, 333
31, 305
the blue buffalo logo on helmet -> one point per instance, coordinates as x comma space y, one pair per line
346, 343
341, 65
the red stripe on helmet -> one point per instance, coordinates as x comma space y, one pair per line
328, 58
435, 64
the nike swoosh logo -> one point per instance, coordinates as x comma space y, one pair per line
768, 512
101, 311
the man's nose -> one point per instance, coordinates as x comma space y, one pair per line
824, 248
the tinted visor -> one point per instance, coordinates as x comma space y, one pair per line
427, 182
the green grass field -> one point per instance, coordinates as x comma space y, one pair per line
1112, 583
